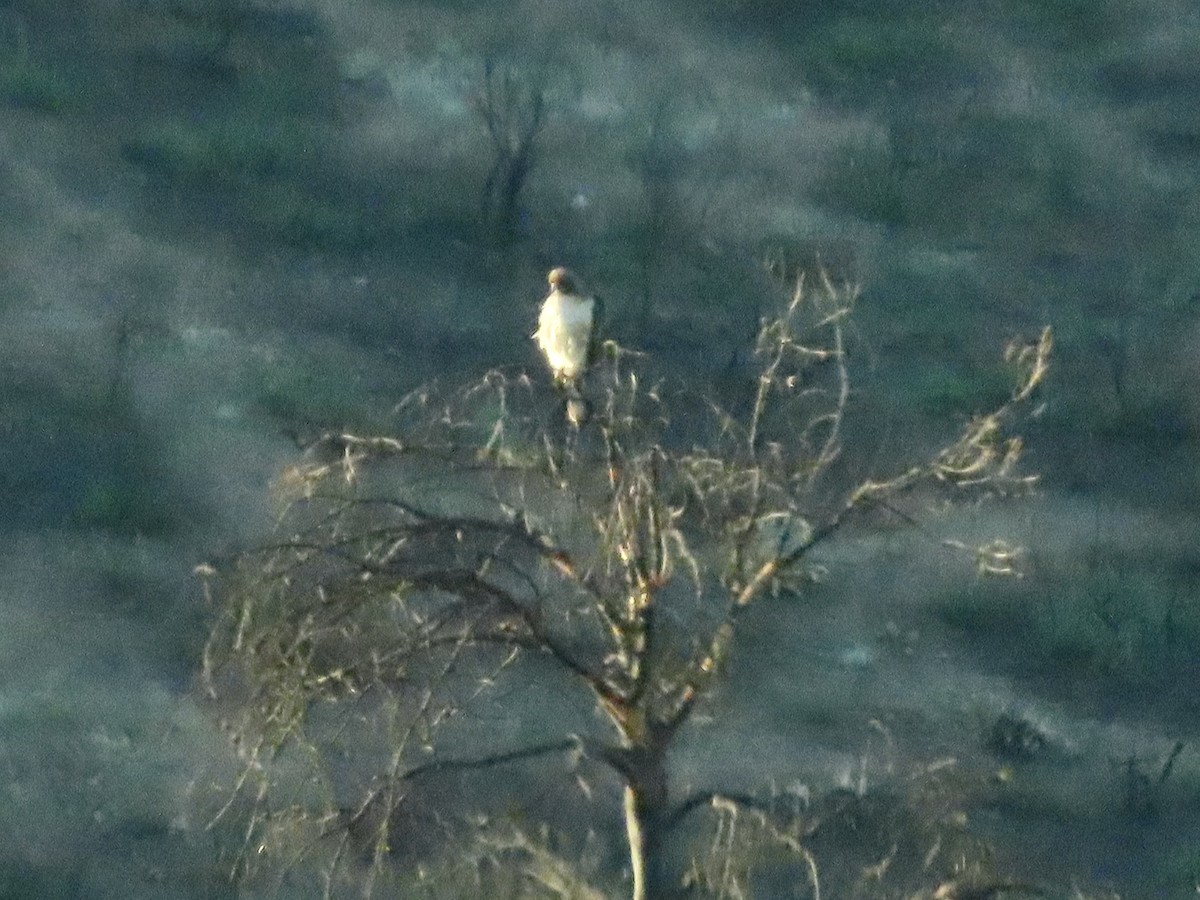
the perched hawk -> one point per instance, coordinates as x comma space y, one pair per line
568, 336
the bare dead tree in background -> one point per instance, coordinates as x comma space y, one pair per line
419, 576
680, 186
513, 111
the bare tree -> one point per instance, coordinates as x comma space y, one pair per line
416, 575
513, 112
681, 182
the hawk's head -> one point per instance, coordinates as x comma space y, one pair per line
562, 279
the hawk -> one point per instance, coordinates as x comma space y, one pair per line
568, 336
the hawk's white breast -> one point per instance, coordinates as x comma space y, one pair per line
564, 329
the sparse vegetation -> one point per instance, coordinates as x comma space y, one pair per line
26, 81
288, 197
30, 85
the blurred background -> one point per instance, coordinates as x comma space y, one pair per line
229, 224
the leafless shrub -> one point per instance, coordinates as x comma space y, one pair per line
513, 111
680, 185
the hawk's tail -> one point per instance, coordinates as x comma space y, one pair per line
577, 407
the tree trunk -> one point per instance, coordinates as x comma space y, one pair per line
645, 805
635, 829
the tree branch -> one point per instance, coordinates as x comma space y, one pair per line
439, 766
715, 799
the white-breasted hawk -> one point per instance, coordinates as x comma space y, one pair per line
568, 336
